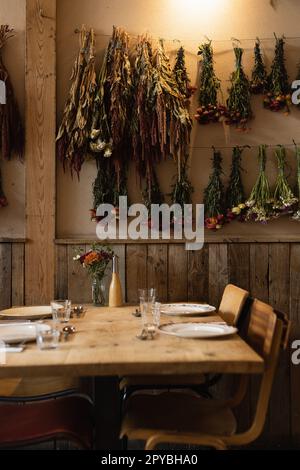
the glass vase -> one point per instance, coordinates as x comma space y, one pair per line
98, 292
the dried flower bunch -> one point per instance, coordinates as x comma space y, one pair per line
235, 194
182, 190
181, 76
260, 202
239, 110
209, 108
296, 215
278, 91
259, 79
214, 195
11, 128
284, 199
75, 128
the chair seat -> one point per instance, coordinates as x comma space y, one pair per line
69, 418
162, 381
170, 412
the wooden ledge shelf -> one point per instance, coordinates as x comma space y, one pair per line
277, 231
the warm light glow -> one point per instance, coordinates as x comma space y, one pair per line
197, 6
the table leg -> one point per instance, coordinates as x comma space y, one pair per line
107, 413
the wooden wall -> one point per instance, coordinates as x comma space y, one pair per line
271, 271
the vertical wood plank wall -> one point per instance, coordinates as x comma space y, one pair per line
271, 271
40, 86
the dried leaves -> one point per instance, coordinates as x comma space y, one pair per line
259, 79
75, 129
214, 195
11, 128
238, 102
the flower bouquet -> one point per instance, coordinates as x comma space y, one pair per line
214, 195
95, 261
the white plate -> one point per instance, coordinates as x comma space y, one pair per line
18, 332
198, 330
27, 313
186, 309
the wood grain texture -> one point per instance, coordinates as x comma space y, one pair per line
259, 271
17, 275
106, 345
295, 335
279, 297
61, 272
5, 275
218, 272
197, 275
238, 265
157, 270
40, 108
136, 270
177, 277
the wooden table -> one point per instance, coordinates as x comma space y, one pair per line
106, 347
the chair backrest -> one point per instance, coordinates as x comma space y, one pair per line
265, 335
232, 303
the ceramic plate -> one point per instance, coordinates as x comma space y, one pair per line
198, 330
27, 313
18, 332
186, 309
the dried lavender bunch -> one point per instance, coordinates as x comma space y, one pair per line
11, 127
260, 202
259, 80
209, 108
235, 194
239, 99
278, 96
284, 199
214, 194
74, 131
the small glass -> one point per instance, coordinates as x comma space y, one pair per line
150, 311
47, 339
61, 310
156, 314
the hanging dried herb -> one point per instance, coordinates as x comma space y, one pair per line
209, 108
260, 202
235, 194
110, 128
259, 80
106, 188
3, 200
182, 190
181, 76
239, 99
143, 115
214, 195
11, 128
278, 96
296, 215
284, 199
151, 193
74, 131
172, 124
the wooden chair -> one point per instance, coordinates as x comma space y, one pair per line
231, 306
24, 389
69, 418
180, 418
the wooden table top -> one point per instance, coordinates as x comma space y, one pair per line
106, 344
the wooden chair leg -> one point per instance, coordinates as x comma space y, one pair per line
205, 441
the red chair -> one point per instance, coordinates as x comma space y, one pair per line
68, 418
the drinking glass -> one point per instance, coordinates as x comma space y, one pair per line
148, 312
47, 339
61, 310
